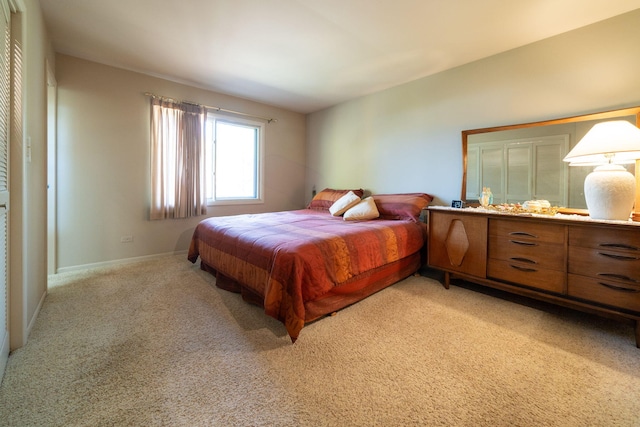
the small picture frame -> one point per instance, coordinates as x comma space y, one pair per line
457, 204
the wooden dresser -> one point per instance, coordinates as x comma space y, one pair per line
593, 266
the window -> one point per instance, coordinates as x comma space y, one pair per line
234, 160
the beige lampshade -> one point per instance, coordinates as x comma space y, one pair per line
616, 141
610, 189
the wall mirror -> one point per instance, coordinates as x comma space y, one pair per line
524, 161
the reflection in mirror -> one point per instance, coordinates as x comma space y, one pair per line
524, 162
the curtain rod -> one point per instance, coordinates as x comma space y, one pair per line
209, 107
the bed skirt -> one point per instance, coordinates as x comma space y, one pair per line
355, 289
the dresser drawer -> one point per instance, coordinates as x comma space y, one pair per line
607, 292
527, 274
627, 239
542, 255
458, 242
601, 263
527, 231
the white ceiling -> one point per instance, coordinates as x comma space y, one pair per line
305, 55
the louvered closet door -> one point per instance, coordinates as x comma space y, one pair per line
5, 32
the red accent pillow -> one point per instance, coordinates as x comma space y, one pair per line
327, 197
402, 206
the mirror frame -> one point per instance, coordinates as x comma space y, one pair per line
632, 111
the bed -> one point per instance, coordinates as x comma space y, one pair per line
303, 264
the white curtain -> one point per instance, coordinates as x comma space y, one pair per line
177, 160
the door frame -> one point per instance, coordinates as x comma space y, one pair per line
52, 117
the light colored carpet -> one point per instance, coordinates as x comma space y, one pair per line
156, 343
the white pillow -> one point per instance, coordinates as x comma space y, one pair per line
345, 202
366, 209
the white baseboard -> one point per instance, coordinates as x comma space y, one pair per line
117, 262
32, 322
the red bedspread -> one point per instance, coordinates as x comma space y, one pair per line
293, 257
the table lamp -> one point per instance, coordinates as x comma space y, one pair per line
610, 189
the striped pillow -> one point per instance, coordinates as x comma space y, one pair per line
402, 206
327, 197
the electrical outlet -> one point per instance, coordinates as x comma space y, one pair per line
126, 239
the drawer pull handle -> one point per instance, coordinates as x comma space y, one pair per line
520, 242
619, 246
522, 233
529, 261
525, 269
619, 257
619, 288
618, 276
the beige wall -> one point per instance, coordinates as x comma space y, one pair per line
103, 163
408, 138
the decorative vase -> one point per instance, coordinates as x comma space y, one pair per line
610, 192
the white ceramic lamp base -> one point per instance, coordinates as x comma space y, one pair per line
610, 192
